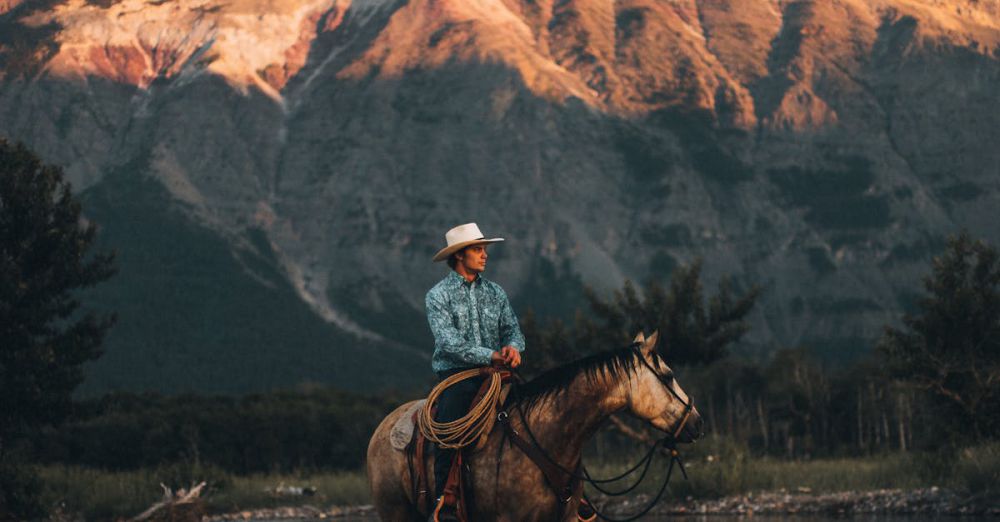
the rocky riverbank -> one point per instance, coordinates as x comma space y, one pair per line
928, 501
364, 512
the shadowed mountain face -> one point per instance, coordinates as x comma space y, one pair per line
277, 175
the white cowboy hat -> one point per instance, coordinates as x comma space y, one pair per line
461, 237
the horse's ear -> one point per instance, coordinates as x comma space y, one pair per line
649, 344
639, 338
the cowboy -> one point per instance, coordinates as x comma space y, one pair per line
473, 326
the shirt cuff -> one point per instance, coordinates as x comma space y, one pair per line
515, 344
481, 356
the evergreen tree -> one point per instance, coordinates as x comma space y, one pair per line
694, 331
951, 347
43, 260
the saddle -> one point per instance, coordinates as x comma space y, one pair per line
406, 436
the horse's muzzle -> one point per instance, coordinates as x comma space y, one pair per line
693, 429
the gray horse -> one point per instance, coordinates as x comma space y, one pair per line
563, 409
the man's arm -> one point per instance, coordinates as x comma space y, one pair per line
449, 340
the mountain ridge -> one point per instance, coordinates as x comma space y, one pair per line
822, 149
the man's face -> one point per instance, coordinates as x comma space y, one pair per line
473, 258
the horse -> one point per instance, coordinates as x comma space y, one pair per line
563, 408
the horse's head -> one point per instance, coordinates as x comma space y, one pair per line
655, 395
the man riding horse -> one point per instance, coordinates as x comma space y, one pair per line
473, 326
531, 470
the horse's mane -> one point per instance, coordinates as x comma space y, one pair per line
612, 364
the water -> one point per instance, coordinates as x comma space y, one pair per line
818, 518
731, 518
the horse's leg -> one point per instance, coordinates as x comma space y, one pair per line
389, 475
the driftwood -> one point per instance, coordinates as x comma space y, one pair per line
184, 505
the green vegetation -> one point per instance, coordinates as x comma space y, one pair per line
313, 429
933, 385
718, 467
45, 259
698, 328
950, 348
786, 422
107, 495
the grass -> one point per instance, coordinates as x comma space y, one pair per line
715, 469
108, 495
718, 469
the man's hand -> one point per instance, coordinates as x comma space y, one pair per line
511, 357
507, 356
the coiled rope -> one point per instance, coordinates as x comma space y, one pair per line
471, 428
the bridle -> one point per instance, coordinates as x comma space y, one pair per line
564, 494
667, 381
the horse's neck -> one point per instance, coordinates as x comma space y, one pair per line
564, 422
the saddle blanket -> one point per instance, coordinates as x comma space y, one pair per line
402, 431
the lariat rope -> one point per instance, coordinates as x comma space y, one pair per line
471, 428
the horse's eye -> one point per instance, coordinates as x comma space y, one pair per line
668, 378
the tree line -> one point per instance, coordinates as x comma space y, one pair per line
310, 429
932, 382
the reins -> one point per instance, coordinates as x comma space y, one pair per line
669, 441
675, 457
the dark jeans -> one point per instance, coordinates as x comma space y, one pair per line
453, 403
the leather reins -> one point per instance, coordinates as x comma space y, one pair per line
564, 481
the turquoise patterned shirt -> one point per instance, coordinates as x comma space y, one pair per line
469, 321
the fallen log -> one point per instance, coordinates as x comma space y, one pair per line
184, 505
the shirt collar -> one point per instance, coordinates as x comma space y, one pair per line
457, 278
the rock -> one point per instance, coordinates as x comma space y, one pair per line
833, 143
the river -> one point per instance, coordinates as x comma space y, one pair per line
729, 518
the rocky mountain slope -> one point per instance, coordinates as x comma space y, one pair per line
277, 174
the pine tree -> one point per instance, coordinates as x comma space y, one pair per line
44, 340
693, 330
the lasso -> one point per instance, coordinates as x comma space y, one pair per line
473, 427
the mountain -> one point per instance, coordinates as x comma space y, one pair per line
277, 174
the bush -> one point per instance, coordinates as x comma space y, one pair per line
950, 348
977, 470
319, 429
18, 491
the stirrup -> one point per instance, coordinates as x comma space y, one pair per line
585, 512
